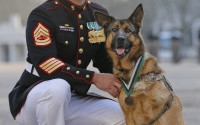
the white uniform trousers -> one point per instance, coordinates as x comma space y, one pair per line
52, 103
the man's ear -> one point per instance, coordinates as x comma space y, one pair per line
102, 19
137, 16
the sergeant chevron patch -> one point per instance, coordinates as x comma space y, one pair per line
51, 65
42, 35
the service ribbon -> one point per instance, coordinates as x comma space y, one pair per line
128, 88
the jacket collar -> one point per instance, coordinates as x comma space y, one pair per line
73, 7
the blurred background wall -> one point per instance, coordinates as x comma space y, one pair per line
171, 27
171, 30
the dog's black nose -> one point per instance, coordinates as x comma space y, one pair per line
121, 39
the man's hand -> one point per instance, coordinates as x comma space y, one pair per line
108, 83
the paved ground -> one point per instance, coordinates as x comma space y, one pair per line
185, 78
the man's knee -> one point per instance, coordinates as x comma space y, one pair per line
55, 90
59, 89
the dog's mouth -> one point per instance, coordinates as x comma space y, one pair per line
121, 47
121, 51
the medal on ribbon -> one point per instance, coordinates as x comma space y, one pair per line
96, 33
128, 88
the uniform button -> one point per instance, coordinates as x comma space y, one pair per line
82, 39
79, 16
77, 72
68, 68
73, 7
81, 27
89, 2
56, 2
80, 50
79, 62
66, 42
88, 76
84, 7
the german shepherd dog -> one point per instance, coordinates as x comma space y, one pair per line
152, 99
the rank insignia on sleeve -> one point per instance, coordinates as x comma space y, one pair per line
66, 27
51, 65
41, 35
96, 33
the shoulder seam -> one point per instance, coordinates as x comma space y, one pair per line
97, 7
49, 3
54, 7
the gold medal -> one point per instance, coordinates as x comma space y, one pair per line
101, 32
93, 33
90, 34
91, 40
95, 36
96, 33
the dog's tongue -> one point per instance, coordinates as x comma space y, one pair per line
120, 51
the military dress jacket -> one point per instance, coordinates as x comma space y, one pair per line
62, 38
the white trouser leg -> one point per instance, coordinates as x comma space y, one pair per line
46, 103
51, 103
93, 111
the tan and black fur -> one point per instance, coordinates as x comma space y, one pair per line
125, 45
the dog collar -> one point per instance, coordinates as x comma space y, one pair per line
129, 87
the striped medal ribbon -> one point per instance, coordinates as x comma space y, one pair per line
129, 87
93, 26
89, 26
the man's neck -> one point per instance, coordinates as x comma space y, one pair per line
78, 2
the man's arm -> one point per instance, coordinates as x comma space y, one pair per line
42, 51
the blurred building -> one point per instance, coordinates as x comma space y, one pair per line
12, 42
161, 18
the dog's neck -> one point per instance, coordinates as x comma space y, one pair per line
124, 68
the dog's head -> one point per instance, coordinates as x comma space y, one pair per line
123, 35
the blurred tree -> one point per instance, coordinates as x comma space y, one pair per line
182, 14
23, 7
159, 14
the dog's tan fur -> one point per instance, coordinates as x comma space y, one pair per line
149, 99
149, 96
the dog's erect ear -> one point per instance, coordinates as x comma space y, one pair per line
137, 16
102, 19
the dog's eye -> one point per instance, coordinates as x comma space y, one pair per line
127, 30
114, 29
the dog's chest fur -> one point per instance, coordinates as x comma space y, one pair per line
147, 94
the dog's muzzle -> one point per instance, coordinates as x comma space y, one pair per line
120, 46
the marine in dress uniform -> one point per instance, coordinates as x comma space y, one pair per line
62, 39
